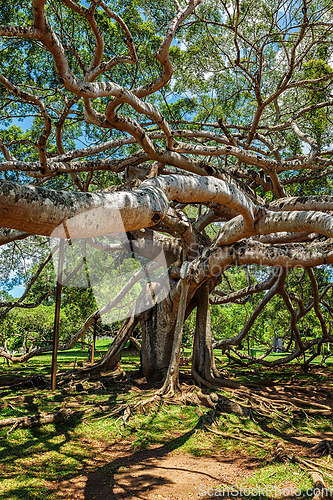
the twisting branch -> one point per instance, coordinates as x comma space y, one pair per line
278, 281
244, 292
42, 141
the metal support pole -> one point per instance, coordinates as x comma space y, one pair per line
57, 316
93, 343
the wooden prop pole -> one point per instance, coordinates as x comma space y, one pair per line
57, 316
94, 342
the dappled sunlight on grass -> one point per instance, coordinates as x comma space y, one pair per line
33, 460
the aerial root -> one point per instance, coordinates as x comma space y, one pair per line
248, 403
128, 409
216, 402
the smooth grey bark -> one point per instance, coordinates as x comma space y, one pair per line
78, 215
158, 329
171, 382
81, 215
203, 367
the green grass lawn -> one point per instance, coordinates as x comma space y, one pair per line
33, 460
66, 360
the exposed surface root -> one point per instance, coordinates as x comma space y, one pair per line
309, 466
279, 453
24, 382
216, 402
319, 485
40, 419
233, 436
324, 447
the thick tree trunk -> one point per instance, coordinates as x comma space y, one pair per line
203, 369
171, 382
203, 361
158, 329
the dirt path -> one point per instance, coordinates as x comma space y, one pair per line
157, 473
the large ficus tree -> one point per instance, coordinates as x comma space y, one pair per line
201, 131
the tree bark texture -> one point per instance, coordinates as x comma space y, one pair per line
158, 329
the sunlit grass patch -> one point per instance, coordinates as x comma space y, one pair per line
32, 460
279, 474
25, 488
153, 425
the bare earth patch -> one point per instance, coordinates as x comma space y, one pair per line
157, 473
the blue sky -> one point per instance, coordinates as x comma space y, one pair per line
17, 291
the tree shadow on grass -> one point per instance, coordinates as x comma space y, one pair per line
111, 481
32, 458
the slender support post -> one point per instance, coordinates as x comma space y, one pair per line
93, 343
57, 316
